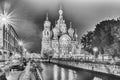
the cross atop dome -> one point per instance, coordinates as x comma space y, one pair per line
47, 23
70, 24
46, 16
60, 11
60, 6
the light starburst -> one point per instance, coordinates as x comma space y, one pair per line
7, 18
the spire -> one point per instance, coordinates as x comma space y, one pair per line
76, 36
71, 30
60, 6
47, 23
55, 22
60, 10
70, 24
46, 16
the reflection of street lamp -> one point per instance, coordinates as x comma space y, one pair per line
95, 49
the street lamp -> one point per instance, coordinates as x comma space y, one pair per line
24, 51
7, 17
20, 43
4, 19
95, 49
4, 16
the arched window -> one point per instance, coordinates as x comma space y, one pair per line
5, 52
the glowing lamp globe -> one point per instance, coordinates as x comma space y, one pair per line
95, 49
20, 43
7, 18
4, 19
25, 50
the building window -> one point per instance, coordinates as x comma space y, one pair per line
0, 53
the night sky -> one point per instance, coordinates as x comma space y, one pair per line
84, 15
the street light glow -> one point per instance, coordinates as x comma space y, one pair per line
95, 49
6, 17
25, 50
20, 43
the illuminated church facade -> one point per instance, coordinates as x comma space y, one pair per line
61, 40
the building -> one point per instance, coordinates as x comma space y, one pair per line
9, 42
59, 41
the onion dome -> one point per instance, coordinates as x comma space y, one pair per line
47, 23
63, 27
61, 12
71, 30
55, 32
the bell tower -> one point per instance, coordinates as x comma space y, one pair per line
46, 31
46, 37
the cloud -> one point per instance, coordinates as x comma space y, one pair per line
28, 32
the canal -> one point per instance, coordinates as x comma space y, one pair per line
56, 72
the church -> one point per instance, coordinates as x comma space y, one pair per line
61, 40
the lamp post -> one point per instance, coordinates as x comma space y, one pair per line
95, 49
20, 43
24, 50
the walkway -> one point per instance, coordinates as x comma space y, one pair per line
21, 75
14, 75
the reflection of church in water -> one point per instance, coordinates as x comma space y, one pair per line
59, 41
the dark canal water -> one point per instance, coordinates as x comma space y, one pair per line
56, 72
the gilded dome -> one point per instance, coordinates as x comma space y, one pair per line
63, 28
60, 12
55, 32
